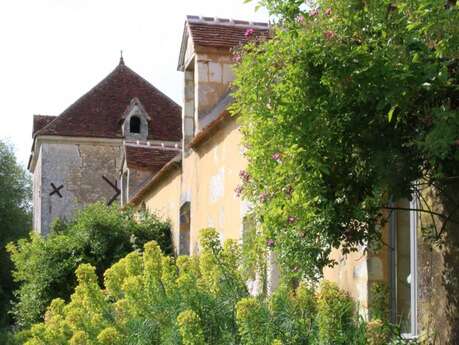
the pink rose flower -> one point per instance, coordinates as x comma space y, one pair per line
270, 243
277, 157
291, 219
329, 34
244, 175
313, 13
263, 197
300, 19
248, 33
238, 190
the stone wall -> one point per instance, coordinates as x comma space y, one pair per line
438, 262
76, 170
37, 192
137, 179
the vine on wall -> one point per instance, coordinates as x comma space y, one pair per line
349, 105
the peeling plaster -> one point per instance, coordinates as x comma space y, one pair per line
217, 186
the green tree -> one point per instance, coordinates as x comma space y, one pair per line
345, 108
98, 235
15, 218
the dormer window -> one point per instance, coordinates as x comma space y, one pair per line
134, 124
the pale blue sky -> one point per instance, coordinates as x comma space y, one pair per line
53, 51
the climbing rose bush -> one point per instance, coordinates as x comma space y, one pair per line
345, 108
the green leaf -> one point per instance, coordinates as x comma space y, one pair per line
391, 112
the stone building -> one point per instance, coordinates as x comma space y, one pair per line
196, 189
77, 157
126, 137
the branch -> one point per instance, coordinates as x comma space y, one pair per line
419, 210
448, 219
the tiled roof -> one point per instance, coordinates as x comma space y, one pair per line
218, 33
40, 121
148, 158
222, 33
99, 112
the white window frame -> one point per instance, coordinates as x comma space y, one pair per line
413, 268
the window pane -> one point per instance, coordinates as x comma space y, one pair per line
403, 277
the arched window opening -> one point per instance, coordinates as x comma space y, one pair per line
134, 124
185, 225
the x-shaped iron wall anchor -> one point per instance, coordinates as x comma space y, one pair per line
115, 187
56, 190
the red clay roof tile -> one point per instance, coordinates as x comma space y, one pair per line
223, 35
40, 121
148, 158
99, 112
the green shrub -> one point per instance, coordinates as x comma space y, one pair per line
293, 314
98, 235
378, 333
190, 328
379, 302
151, 298
335, 316
253, 322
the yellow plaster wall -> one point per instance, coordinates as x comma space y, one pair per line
164, 200
211, 173
357, 271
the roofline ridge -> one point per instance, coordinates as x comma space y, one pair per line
79, 99
43, 115
99, 84
151, 85
226, 22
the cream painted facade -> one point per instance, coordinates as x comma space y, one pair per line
208, 173
207, 181
211, 174
164, 201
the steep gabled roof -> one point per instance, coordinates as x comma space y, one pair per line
99, 112
40, 121
218, 33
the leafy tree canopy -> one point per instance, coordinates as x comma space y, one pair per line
99, 235
342, 110
15, 218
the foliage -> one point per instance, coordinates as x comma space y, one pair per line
335, 316
98, 235
254, 253
379, 301
345, 107
190, 328
15, 218
150, 298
